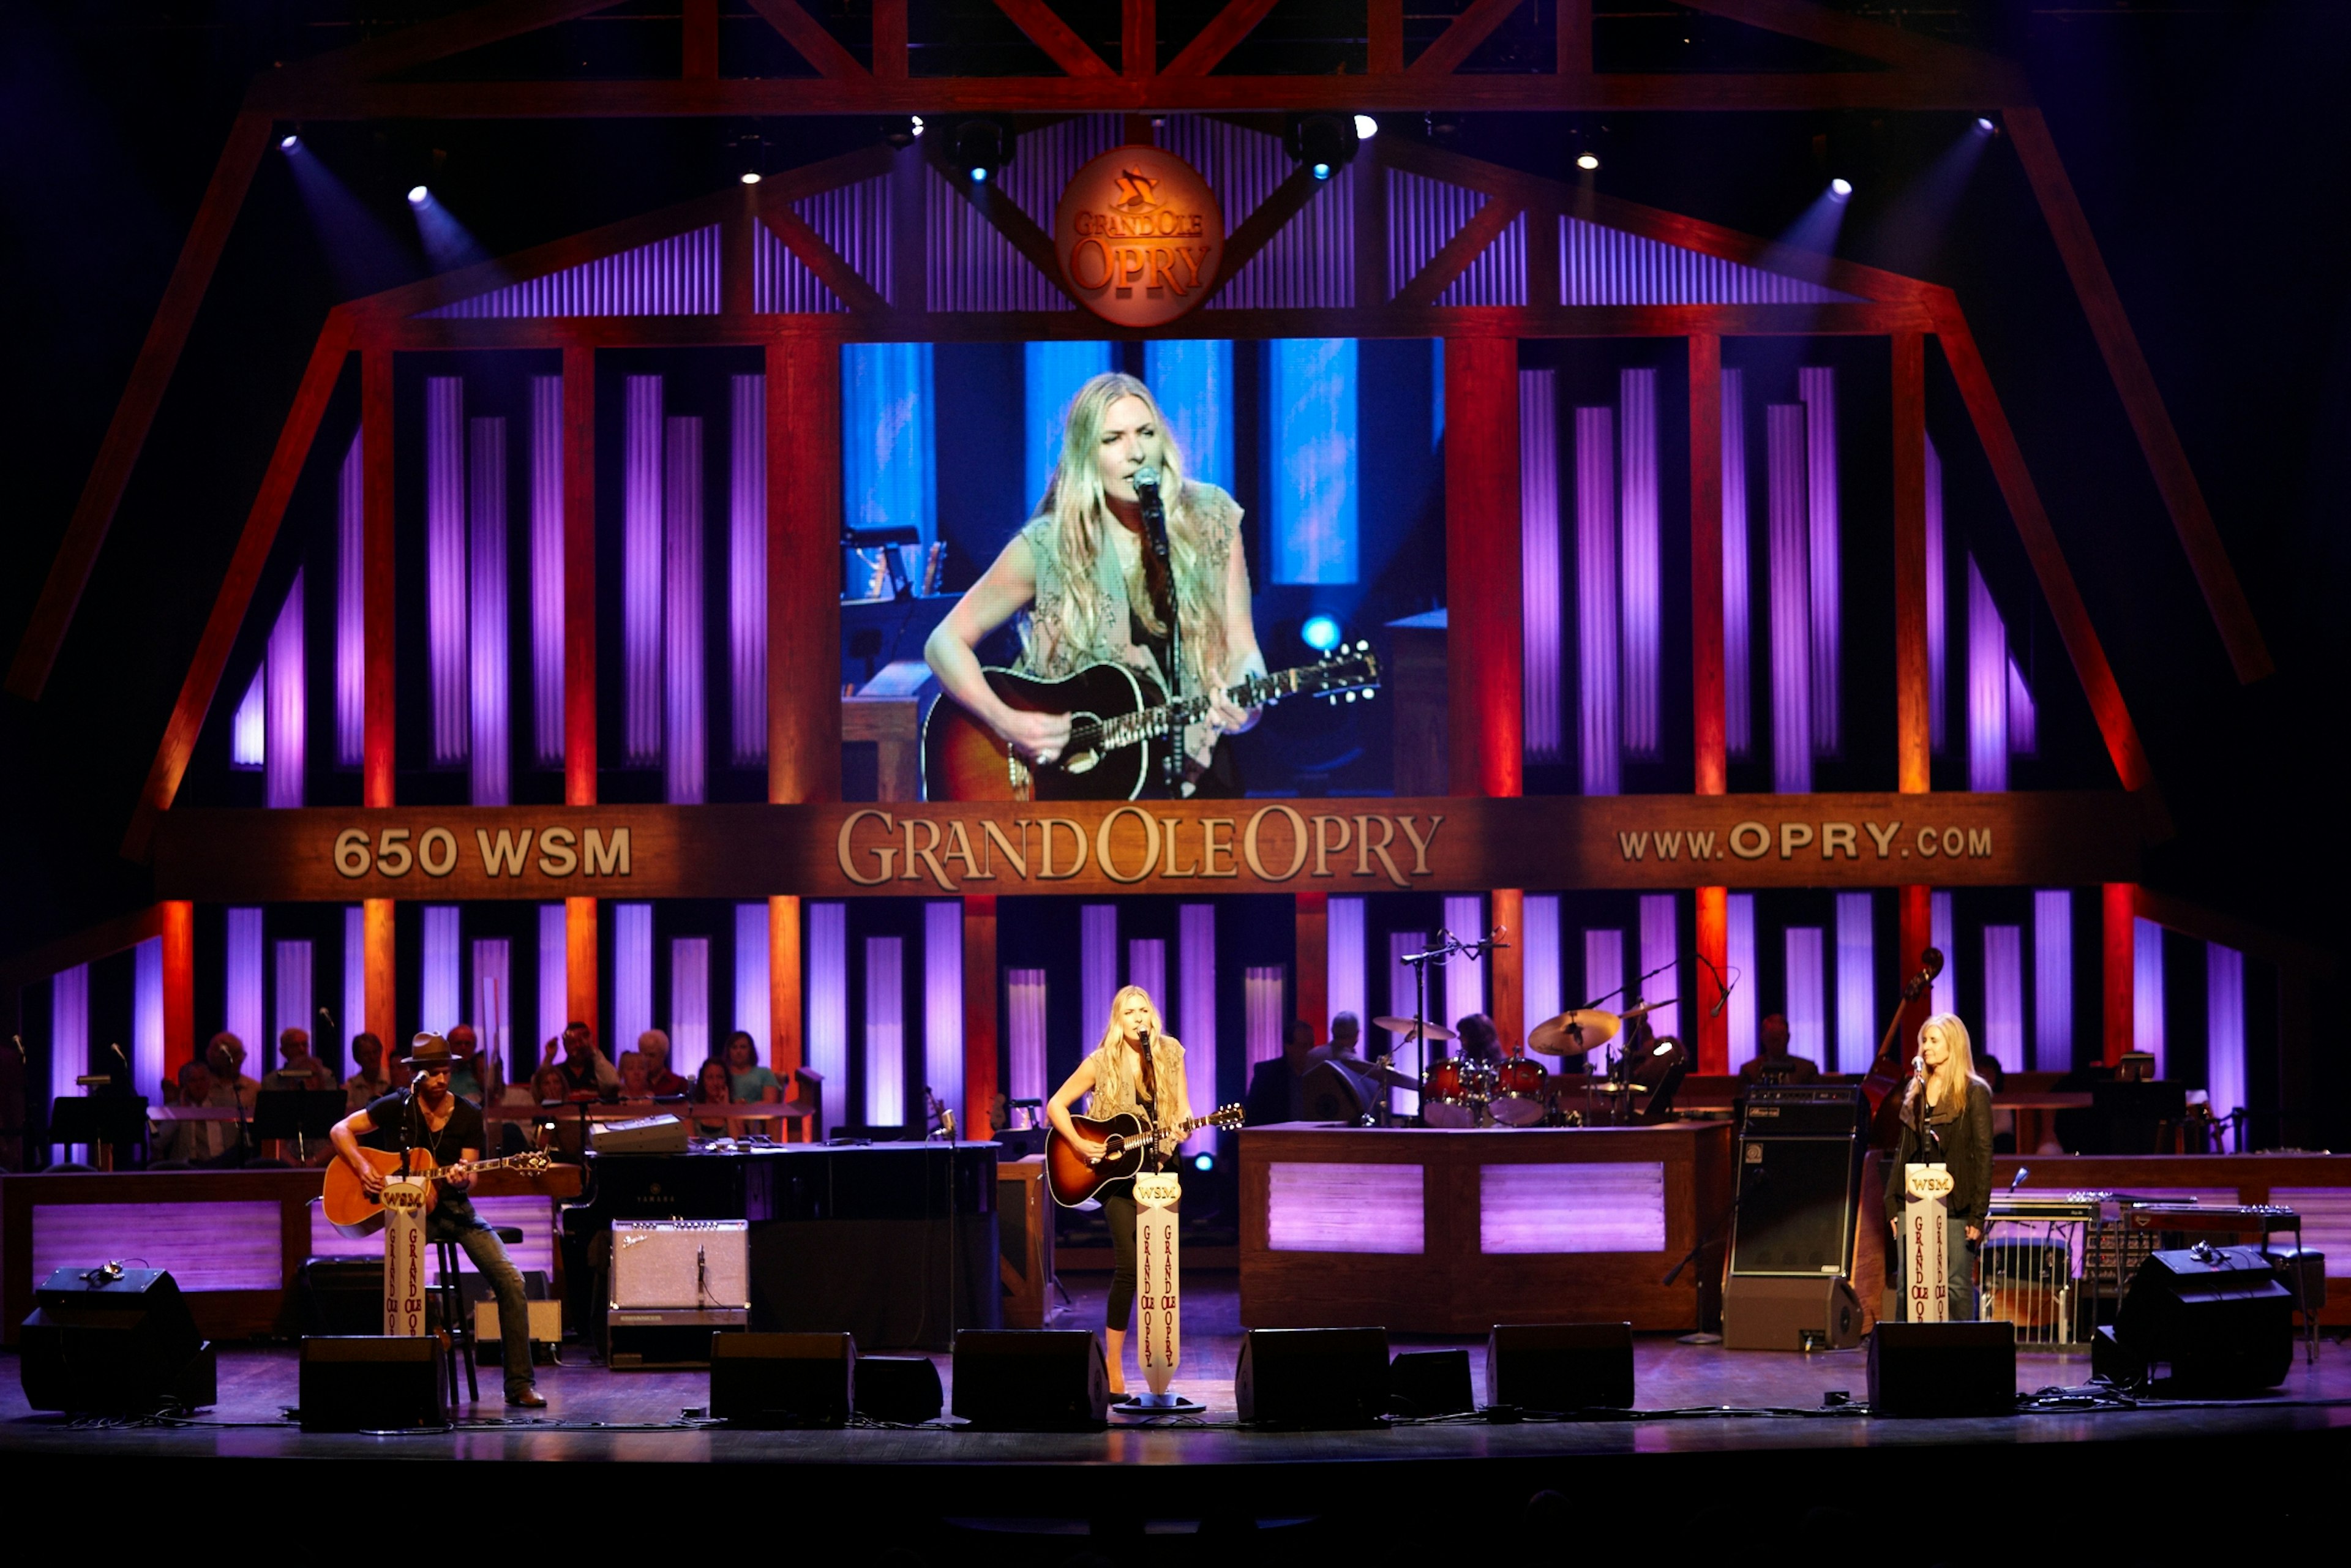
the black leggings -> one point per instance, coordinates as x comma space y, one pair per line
1118, 1208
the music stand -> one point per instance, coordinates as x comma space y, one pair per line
109, 1120
296, 1115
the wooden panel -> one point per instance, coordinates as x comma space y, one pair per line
1138, 39
893, 726
1483, 647
2118, 978
1709, 742
980, 1015
378, 973
380, 604
701, 40
1310, 981
179, 935
803, 571
890, 39
583, 964
1227, 28
1712, 936
579, 576
1913, 731
1509, 967
1024, 1232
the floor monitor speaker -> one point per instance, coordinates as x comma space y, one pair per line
113, 1341
1430, 1383
1030, 1380
2217, 1316
372, 1382
902, 1390
1942, 1369
1765, 1311
1312, 1378
774, 1380
1559, 1366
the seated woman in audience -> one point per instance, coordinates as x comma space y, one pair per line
754, 1083
713, 1086
636, 1076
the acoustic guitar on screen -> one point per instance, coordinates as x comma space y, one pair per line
1125, 1138
356, 1212
1118, 726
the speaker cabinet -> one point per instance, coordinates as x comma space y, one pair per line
1430, 1383
1942, 1369
783, 1379
1030, 1380
1769, 1313
1559, 1366
1312, 1378
902, 1390
372, 1382
2217, 1316
122, 1343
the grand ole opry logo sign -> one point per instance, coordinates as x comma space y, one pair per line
1139, 235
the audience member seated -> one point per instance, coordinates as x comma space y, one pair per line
1274, 1087
296, 1068
181, 1145
586, 1074
713, 1086
225, 1057
400, 1071
1346, 1033
471, 1078
635, 1084
754, 1085
1771, 1063
371, 1082
653, 1045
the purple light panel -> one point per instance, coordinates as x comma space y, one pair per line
1661, 948
1465, 978
291, 993
754, 1001
673, 276
244, 1011
943, 1003
445, 643
2146, 990
1311, 260
1987, 688
1939, 635
885, 1031
1349, 985
2021, 727
1193, 381
284, 708
747, 571
888, 456
1603, 967
1816, 385
68, 1033
687, 753
2224, 1029
1343, 1208
353, 1019
493, 1010
2052, 980
1944, 996
689, 1000
1856, 984
1643, 608
1540, 611
1539, 962
1264, 997
232, 1246
1599, 266
632, 975
1196, 1011
147, 1018
1599, 693
971, 265
443, 991
1572, 1208
547, 571
1738, 689
1024, 1021
781, 283
248, 736
828, 1004
554, 977
2003, 1008
642, 480
1739, 958
1147, 966
855, 221
1411, 1056
1791, 601
1097, 970
1423, 215
1806, 1003
491, 750
350, 611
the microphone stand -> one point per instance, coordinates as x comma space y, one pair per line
1155, 534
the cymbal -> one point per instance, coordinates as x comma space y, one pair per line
1407, 1028
1365, 1069
1575, 1032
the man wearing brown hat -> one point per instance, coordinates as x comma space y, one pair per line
430, 1117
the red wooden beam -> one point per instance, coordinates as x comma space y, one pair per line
235, 595
701, 22
1858, 35
1003, 214
135, 415
785, 1006
807, 34
820, 259
890, 39
1310, 981
427, 42
380, 603
1283, 203
1713, 923
1384, 34
179, 934
803, 570
2191, 516
578, 577
1575, 46
86, 945
1912, 727
1709, 741
1138, 39
1453, 259
979, 1013
1224, 32
1056, 37
1461, 37
379, 972
2118, 969
1485, 676
583, 959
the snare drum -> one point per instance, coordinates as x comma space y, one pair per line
1453, 1091
1521, 1095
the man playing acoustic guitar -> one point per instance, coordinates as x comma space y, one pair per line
430, 1117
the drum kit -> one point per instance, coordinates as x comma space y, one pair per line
1518, 1091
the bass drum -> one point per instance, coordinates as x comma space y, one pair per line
1521, 1095
1453, 1092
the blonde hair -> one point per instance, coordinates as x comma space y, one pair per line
1947, 1086
1116, 1077
1076, 503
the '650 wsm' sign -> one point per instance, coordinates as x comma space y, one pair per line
1139, 235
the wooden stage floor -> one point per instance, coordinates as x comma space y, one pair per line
1781, 1452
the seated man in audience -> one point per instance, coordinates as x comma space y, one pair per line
296, 1068
1276, 1090
471, 1078
371, 1082
654, 1046
1346, 1034
182, 1145
225, 1057
586, 1074
1771, 1063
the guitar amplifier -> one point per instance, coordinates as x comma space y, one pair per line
692, 1264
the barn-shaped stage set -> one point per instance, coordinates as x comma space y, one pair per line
1672, 695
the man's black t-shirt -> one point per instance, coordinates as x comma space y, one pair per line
464, 1130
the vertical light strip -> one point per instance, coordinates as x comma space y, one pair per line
1642, 610
1024, 1027
553, 979
642, 479
350, 607
1816, 385
1598, 694
354, 1014
291, 991
1311, 408
1856, 983
1403, 997
1191, 378
69, 1037
2146, 990
1465, 978
444, 566
492, 753
1264, 997
828, 1004
1196, 1011
1791, 601
689, 1000
885, 1031
248, 739
491, 1014
2224, 1028
754, 1003
1344, 985
1943, 932
244, 1008
1661, 948
1987, 688
943, 1003
1806, 1001
1604, 969
284, 709
1938, 605
747, 573
1539, 961
632, 975
2052, 980
2003, 1005
442, 1004
687, 752
888, 459
1147, 966
147, 1018
1737, 687
1097, 970
1052, 374
547, 571
1739, 956
1538, 564
2023, 739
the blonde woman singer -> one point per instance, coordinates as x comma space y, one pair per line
1947, 1117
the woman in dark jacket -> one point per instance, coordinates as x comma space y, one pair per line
1946, 1121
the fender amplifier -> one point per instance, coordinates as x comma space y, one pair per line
681, 1263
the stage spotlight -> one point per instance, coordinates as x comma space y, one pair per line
914, 123
1840, 189
1984, 124
1365, 127
1321, 141
1587, 161
1321, 633
982, 147
750, 176
289, 142
418, 196
1204, 1164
